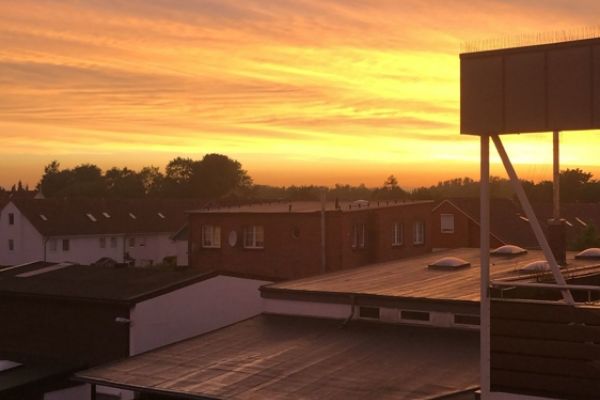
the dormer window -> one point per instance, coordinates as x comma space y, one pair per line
447, 223
43, 217
132, 215
105, 214
161, 215
91, 217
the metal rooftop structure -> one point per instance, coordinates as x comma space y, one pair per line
542, 86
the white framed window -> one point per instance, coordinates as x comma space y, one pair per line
11, 218
447, 223
211, 236
359, 236
66, 245
113, 242
11, 245
52, 245
254, 237
397, 234
102, 242
419, 232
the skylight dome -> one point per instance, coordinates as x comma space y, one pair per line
449, 263
593, 253
508, 250
536, 266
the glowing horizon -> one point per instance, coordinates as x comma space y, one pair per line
299, 91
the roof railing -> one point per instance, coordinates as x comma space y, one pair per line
551, 286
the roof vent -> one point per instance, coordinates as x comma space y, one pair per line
449, 263
593, 253
91, 217
106, 215
132, 215
508, 250
536, 266
161, 215
43, 217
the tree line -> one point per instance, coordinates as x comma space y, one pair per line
216, 177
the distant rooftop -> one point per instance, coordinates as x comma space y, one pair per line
95, 283
411, 278
309, 206
83, 216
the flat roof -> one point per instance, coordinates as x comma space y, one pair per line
279, 357
99, 283
411, 278
308, 206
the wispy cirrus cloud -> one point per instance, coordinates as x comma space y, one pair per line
264, 81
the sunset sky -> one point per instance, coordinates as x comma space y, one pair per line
299, 91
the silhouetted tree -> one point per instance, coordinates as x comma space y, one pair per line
587, 238
217, 175
124, 183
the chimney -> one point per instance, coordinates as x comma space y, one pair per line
557, 240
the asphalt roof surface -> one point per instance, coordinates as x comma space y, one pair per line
280, 357
412, 278
125, 284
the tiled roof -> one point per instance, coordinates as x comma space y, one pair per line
507, 221
52, 217
309, 206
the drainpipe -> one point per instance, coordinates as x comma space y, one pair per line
45, 241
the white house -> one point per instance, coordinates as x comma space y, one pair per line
86, 230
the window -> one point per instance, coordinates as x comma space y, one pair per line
66, 245
131, 242
211, 236
11, 218
52, 245
419, 232
358, 236
368, 312
447, 223
397, 234
142, 242
113, 242
102, 242
11, 245
414, 315
254, 237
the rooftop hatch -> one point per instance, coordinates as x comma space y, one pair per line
508, 250
593, 253
449, 263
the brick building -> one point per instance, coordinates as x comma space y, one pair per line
455, 224
284, 240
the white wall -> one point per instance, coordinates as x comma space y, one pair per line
306, 308
84, 249
181, 247
152, 247
193, 310
28, 243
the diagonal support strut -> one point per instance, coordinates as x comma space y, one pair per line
533, 221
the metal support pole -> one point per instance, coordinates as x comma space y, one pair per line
533, 221
323, 242
484, 246
556, 177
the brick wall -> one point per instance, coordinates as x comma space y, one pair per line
292, 241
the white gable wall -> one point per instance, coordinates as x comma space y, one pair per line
193, 310
28, 242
